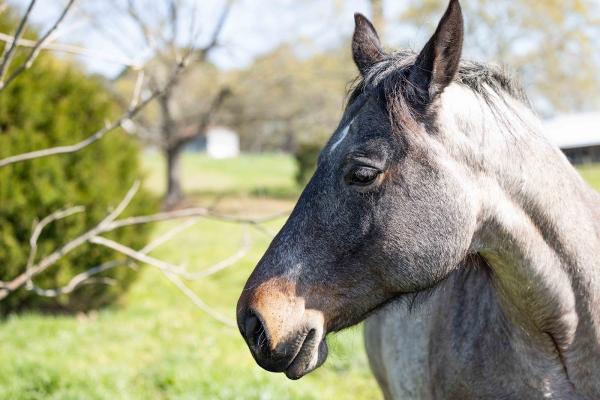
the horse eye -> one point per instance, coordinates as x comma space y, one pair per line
362, 176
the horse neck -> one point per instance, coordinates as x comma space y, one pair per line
538, 228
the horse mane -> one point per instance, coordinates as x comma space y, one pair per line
388, 81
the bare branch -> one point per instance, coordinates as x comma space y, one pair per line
86, 276
121, 207
137, 255
51, 259
96, 136
74, 147
169, 235
109, 223
226, 263
100, 228
214, 38
174, 19
35, 50
193, 212
171, 271
142, 256
10, 50
110, 31
205, 119
137, 90
38, 229
71, 49
78, 280
141, 24
198, 301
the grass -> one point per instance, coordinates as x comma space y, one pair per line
155, 344
266, 175
591, 174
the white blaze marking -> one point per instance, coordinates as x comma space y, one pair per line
342, 137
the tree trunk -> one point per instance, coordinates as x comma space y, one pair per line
174, 189
289, 142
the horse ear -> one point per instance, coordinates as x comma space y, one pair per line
366, 47
439, 60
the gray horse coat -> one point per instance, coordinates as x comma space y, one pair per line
441, 214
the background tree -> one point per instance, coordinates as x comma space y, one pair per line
42, 167
168, 32
551, 45
54, 104
283, 99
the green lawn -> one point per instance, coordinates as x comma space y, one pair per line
591, 173
269, 174
156, 344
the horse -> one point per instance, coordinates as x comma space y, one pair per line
441, 214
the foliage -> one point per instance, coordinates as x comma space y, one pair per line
55, 104
184, 111
551, 45
129, 352
284, 99
186, 106
306, 157
158, 345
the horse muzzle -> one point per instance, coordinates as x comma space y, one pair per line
283, 336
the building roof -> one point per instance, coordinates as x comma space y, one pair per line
571, 131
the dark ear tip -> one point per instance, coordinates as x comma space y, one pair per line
359, 18
455, 3
362, 24
366, 48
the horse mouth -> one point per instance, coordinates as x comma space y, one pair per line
311, 355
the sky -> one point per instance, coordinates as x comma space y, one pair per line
253, 28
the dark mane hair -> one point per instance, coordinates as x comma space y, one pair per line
388, 81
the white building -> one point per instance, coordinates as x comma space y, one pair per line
222, 142
577, 135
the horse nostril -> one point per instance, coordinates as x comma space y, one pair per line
254, 331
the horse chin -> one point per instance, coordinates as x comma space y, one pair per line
311, 356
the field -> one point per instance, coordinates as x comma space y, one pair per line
155, 344
591, 173
255, 175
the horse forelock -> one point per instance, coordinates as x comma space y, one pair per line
491, 86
